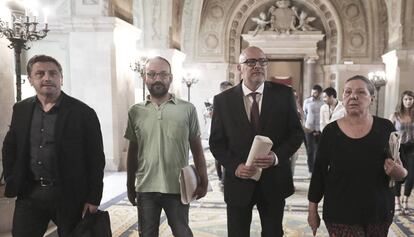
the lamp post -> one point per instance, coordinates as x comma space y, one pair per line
21, 30
190, 78
139, 66
378, 79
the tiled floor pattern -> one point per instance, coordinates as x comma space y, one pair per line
208, 215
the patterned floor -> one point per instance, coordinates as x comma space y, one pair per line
208, 215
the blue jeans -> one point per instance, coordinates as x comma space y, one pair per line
312, 141
149, 211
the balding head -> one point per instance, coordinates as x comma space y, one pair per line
252, 67
248, 51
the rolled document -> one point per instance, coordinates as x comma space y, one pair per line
261, 146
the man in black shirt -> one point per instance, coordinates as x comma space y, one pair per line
53, 155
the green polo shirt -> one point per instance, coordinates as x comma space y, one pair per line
162, 133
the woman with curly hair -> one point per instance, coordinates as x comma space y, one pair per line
403, 119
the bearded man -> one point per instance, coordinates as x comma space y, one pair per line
161, 130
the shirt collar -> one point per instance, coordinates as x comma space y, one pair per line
56, 105
247, 91
172, 99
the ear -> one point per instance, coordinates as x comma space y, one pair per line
30, 81
238, 67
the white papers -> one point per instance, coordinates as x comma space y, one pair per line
398, 172
188, 183
394, 145
261, 146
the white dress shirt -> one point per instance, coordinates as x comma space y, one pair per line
328, 115
248, 101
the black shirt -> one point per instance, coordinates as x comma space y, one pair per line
42, 142
349, 174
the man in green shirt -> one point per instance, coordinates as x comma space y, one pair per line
161, 130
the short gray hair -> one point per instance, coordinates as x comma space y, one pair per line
368, 83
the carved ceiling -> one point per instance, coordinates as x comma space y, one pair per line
351, 27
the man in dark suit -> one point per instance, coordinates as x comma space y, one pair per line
255, 107
53, 157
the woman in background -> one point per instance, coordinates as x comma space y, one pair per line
403, 120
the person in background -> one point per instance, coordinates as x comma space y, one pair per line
311, 109
255, 107
350, 169
53, 157
161, 130
332, 109
299, 109
403, 120
225, 85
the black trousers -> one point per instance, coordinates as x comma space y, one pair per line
409, 180
312, 141
33, 213
239, 218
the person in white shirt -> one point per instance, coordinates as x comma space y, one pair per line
332, 109
311, 110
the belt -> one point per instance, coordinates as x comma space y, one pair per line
46, 183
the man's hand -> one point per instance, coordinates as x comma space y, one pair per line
265, 161
245, 172
314, 220
132, 167
89, 207
132, 195
201, 189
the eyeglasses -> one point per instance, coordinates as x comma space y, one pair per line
162, 75
252, 62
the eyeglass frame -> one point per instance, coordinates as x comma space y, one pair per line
162, 75
263, 62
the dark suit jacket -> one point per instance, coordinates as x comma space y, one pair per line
80, 157
232, 136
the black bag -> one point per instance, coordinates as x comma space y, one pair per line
93, 225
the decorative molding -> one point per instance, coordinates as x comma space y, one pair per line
395, 12
356, 34
211, 45
298, 44
324, 9
90, 2
155, 22
216, 13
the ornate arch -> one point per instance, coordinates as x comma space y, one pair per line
241, 13
325, 10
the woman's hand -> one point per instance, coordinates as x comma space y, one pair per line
389, 165
394, 169
314, 220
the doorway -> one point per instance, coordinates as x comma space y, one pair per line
288, 72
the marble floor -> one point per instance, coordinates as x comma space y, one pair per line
208, 215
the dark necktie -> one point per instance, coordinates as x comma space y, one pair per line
254, 112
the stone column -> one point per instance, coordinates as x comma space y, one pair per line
7, 91
95, 53
399, 70
100, 74
308, 75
